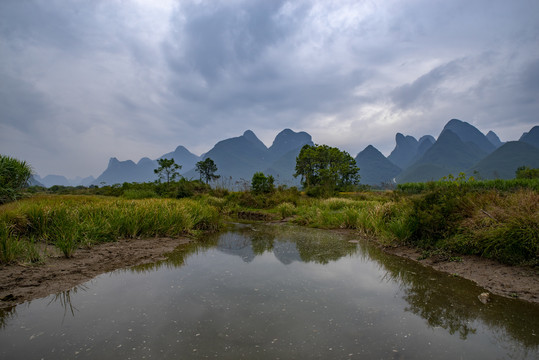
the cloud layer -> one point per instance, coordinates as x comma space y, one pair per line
81, 81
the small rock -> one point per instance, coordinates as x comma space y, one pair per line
484, 297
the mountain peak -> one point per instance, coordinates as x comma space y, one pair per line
469, 133
375, 168
531, 137
405, 150
288, 140
250, 135
494, 139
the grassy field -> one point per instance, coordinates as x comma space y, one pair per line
498, 220
68, 222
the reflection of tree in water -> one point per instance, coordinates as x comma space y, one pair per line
451, 303
176, 258
6, 315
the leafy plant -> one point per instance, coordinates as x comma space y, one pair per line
14, 176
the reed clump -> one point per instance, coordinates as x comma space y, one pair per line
69, 222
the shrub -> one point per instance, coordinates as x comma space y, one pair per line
262, 184
138, 194
14, 176
286, 209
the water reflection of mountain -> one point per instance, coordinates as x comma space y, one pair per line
247, 248
442, 300
286, 252
236, 244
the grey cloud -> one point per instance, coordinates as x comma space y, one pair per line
423, 89
22, 105
530, 82
100, 72
48, 22
222, 36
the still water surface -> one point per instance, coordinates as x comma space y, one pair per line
273, 292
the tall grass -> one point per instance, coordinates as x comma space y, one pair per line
500, 225
473, 185
69, 222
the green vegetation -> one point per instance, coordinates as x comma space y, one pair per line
470, 185
167, 170
14, 176
448, 218
69, 222
525, 172
262, 184
207, 170
498, 219
324, 170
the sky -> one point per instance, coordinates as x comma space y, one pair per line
83, 81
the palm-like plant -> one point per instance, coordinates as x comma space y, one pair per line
14, 175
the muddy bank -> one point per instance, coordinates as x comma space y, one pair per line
509, 281
20, 283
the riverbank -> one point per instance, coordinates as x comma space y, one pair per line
505, 280
20, 283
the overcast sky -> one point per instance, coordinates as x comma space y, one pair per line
82, 81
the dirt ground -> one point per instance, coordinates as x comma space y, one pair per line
20, 283
499, 279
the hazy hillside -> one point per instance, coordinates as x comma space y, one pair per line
405, 150
182, 157
51, 180
470, 134
460, 147
494, 139
449, 155
503, 163
375, 168
531, 137
118, 172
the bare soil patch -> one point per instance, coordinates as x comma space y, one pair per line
20, 283
509, 281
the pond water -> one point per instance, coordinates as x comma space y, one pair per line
273, 292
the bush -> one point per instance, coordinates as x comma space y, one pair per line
14, 176
262, 184
139, 194
436, 215
286, 209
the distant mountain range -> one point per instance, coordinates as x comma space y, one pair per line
460, 147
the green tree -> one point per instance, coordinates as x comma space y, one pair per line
524, 172
207, 169
326, 167
14, 175
167, 169
262, 184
